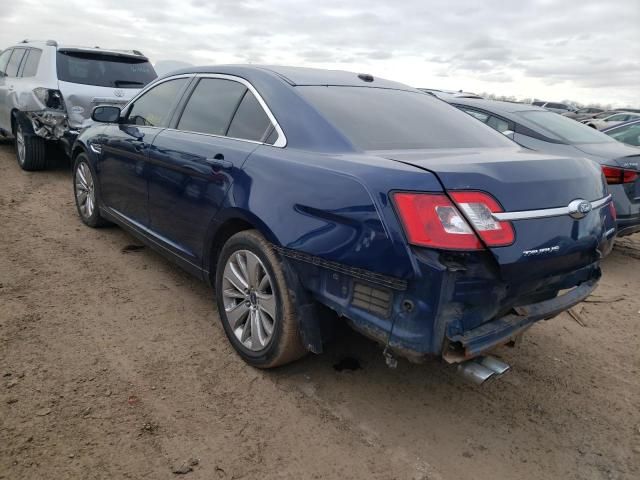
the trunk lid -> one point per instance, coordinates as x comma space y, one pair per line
612, 153
520, 181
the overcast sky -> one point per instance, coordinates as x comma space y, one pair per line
583, 50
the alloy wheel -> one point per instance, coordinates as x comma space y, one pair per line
85, 191
249, 300
22, 149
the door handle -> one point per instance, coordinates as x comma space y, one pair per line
218, 162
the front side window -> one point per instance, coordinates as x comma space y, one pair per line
104, 70
30, 64
14, 62
617, 118
250, 121
154, 108
386, 119
4, 60
211, 106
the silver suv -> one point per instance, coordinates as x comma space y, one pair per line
48, 91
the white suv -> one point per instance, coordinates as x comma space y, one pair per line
48, 91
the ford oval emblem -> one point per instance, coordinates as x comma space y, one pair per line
118, 93
579, 208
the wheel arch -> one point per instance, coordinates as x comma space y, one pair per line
311, 315
77, 149
226, 224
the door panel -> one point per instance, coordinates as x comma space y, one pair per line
124, 171
190, 174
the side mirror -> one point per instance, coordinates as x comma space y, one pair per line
106, 114
509, 133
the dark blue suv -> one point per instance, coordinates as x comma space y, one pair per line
292, 189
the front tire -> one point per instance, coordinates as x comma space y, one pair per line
255, 305
84, 189
30, 149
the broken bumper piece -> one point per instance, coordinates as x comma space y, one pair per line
502, 330
48, 124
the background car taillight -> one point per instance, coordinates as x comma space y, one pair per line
432, 220
616, 176
51, 98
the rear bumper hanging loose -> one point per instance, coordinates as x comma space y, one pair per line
501, 330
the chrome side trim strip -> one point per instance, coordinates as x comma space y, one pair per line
545, 213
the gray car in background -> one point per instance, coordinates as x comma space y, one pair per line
554, 106
48, 91
544, 131
583, 113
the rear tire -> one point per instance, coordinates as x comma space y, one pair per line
30, 149
85, 193
256, 307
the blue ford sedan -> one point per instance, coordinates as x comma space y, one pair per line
291, 190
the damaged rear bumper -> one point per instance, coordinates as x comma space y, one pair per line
48, 124
502, 330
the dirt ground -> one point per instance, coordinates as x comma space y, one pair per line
113, 364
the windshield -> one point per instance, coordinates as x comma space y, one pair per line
386, 119
563, 128
104, 70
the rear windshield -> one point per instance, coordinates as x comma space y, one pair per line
386, 119
563, 128
104, 70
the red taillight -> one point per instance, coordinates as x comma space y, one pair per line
432, 220
616, 176
612, 209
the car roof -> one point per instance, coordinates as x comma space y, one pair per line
78, 48
298, 76
496, 106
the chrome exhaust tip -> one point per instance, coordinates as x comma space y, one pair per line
481, 369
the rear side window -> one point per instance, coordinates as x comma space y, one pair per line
498, 124
14, 62
211, 106
483, 117
30, 65
385, 119
154, 108
250, 121
104, 70
4, 60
